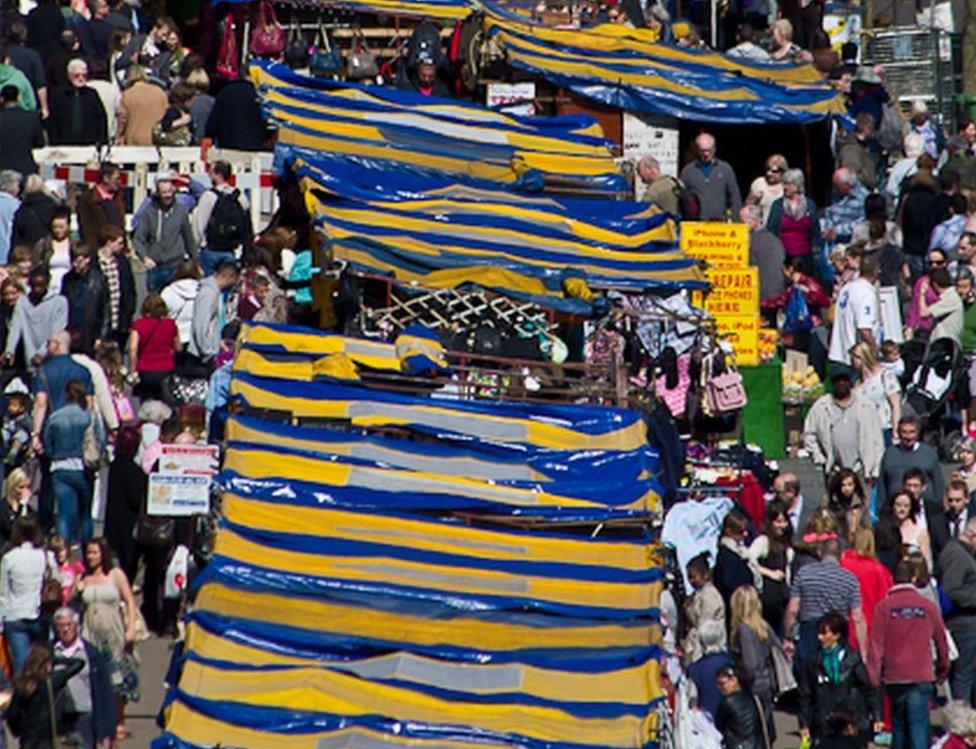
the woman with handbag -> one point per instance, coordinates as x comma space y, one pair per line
753, 641
109, 622
153, 344
65, 435
23, 573
33, 712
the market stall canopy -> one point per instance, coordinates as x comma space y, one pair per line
445, 10
390, 127
376, 590
623, 68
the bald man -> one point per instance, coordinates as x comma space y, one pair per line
661, 189
847, 208
713, 181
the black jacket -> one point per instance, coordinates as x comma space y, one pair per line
20, 131
77, 117
739, 721
32, 220
127, 296
94, 324
918, 218
938, 523
44, 26
29, 714
731, 572
819, 697
235, 120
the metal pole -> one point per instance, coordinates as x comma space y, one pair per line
714, 19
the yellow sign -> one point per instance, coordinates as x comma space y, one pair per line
720, 245
743, 334
733, 292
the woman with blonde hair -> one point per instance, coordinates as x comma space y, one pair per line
768, 188
17, 491
752, 643
879, 385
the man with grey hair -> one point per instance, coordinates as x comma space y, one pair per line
89, 715
163, 236
702, 672
661, 189
10, 184
77, 114
903, 169
766, 252
713, 181
847, 208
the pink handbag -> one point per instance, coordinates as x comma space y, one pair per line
725, 392
268, 37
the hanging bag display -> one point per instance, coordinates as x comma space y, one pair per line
724, 391
228, 59
267, 38
360, 60
326, 59
296, 47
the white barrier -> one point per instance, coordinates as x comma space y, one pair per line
141, 164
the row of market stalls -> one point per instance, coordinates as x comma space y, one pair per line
439, 528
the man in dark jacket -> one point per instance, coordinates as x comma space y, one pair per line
919, 216
424, 80
33, 219
958, 567
87, 294
90, 712
20, 131
235, 120
949, 521
103, 205
77, 115
56, 65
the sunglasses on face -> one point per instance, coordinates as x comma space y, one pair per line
774, 169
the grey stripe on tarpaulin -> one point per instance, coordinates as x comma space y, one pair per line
460, 466
378, 741
463, 423
394, 535
384, 572
443, 674
403, 481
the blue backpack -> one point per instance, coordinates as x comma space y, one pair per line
797, 313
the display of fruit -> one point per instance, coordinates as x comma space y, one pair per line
768, 339
802, 384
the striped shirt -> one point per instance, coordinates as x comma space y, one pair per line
825, 586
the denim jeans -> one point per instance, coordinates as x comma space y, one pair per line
159, 277
20, 633
910, 715
963, 675
211, 259
74, 495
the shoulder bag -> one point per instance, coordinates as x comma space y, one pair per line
360, 60
325, 60
52, 594
725, 392
92, 450
267, 38
783, 679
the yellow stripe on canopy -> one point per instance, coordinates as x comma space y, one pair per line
457, 632
320, 690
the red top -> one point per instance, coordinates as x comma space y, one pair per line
874, 579
156, 337
796, 235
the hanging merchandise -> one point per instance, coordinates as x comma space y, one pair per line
326, 58
360, 60
724, 390
296, 47
267, 38
228, 59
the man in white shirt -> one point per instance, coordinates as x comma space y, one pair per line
857, 317
947, 311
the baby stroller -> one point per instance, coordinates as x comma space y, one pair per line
932, 394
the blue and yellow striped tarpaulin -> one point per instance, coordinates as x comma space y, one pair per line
375, 590
437, 135
622, 68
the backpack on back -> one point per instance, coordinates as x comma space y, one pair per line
227, 228
689, 206
424, 44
